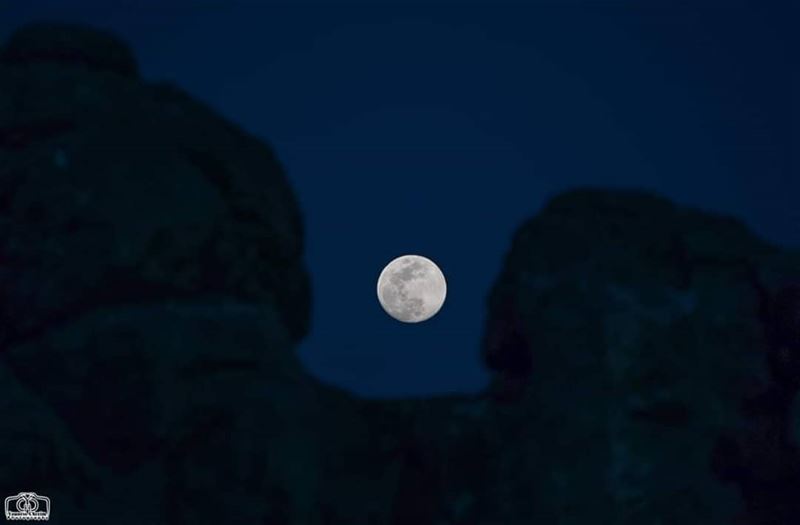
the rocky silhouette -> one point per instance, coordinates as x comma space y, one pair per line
152, 291
647, 334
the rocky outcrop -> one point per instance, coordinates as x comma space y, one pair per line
116, 190
625, 337
152, 289
638, 322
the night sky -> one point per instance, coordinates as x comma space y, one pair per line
437, 128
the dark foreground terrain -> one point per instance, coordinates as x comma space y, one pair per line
152, 293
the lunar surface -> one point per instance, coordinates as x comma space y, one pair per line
411, 288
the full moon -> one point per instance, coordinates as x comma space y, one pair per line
411, 288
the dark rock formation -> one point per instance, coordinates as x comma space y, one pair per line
624, 332
645, 335
151, 292
115, 190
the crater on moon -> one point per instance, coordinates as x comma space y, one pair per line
411, 288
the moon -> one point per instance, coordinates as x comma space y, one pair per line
411, 288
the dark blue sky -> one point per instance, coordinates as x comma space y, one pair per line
436, 128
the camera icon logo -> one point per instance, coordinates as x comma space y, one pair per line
27, 506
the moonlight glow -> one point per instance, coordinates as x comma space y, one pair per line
411, 288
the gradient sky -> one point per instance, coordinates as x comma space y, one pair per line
437, 127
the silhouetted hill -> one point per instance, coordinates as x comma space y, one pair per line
640, 319
153, 290
626, 343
